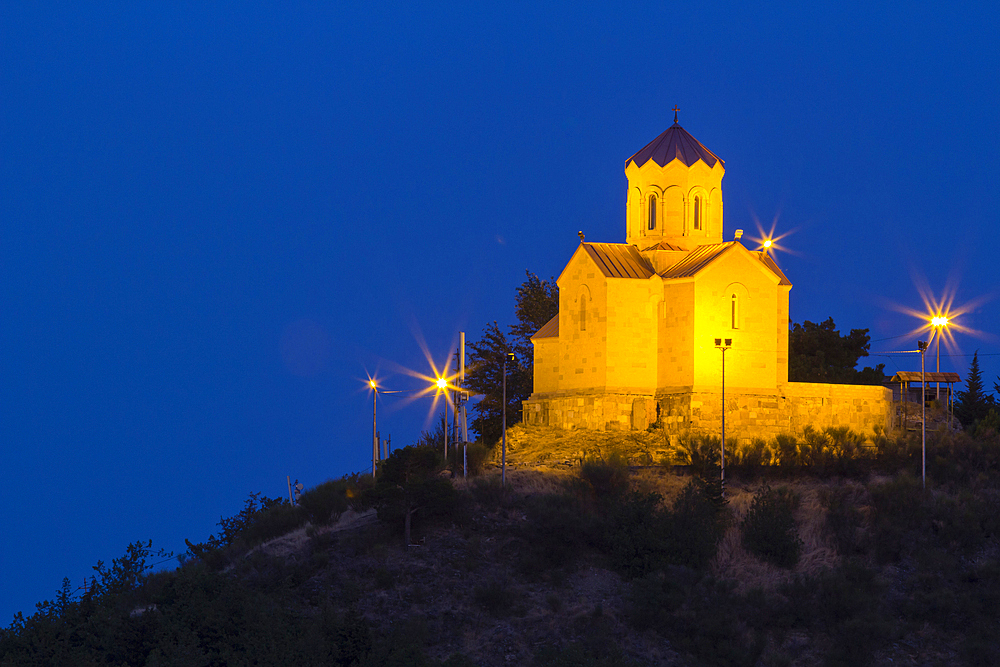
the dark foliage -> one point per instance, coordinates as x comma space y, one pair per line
407, 483
537, 302
974, 402
769, 527
606, 474
473, 454
818, 353
326, 502
560, 529
261, 519
496, 596
701, 616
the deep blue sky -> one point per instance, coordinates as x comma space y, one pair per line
215, 220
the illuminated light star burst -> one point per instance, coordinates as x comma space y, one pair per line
940, 316
438, 383
767, 241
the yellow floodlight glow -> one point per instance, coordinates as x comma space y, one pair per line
941, 317
442, 383
769, 241
372, 384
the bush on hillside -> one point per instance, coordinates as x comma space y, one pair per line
326, 502
475, 455
606, 474
769, 527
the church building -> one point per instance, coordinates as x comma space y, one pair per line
643, 325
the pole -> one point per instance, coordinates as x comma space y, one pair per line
723, 344
939, 365
444, 424
288, 479
503, 449
374, 427
723, 420
923, 418
461, 382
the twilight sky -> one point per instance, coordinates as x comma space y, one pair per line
216, 218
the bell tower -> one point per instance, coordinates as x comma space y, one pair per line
674, 193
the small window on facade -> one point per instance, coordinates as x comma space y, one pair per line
735, 311
583, 312
652, 212
697, 212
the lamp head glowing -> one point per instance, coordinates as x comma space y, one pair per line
767, 243
939, 321
441, 383
373, 385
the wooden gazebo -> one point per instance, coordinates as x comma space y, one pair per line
905, 378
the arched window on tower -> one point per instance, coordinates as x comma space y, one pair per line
697, 212
734, 305
652, 212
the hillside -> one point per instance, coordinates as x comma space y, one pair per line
592, 564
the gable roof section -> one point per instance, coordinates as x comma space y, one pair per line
697, 260
773, 266
704, 255
662, 245
674, 144
549, 330
619, 260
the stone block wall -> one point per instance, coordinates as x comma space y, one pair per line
789, 410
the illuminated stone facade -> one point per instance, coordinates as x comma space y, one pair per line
635, 336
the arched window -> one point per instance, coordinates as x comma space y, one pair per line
735, 311
652, 212
697, 212
583, 312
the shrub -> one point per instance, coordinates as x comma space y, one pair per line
273, 522
844, 519
606, 475
488, 491
475, 455
558, 531
699, 453
495, 596
234, 525
638, 535
750, 456
769, 527
326, 502
786, 450
695, 524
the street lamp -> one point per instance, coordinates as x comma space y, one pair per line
442, 384
374, 387
723, 344
503, 448
938, 324
922, 346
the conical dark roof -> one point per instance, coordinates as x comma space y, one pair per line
674, 143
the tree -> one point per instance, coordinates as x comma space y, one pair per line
408, 482
818, 353
974, 403
537, 302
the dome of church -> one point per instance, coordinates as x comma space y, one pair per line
674, 143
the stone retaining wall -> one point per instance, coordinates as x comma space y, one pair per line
748, 415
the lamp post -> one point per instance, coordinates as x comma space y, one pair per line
374, 387
503, 448
442, 384
723, 344
922, 346
938, 324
